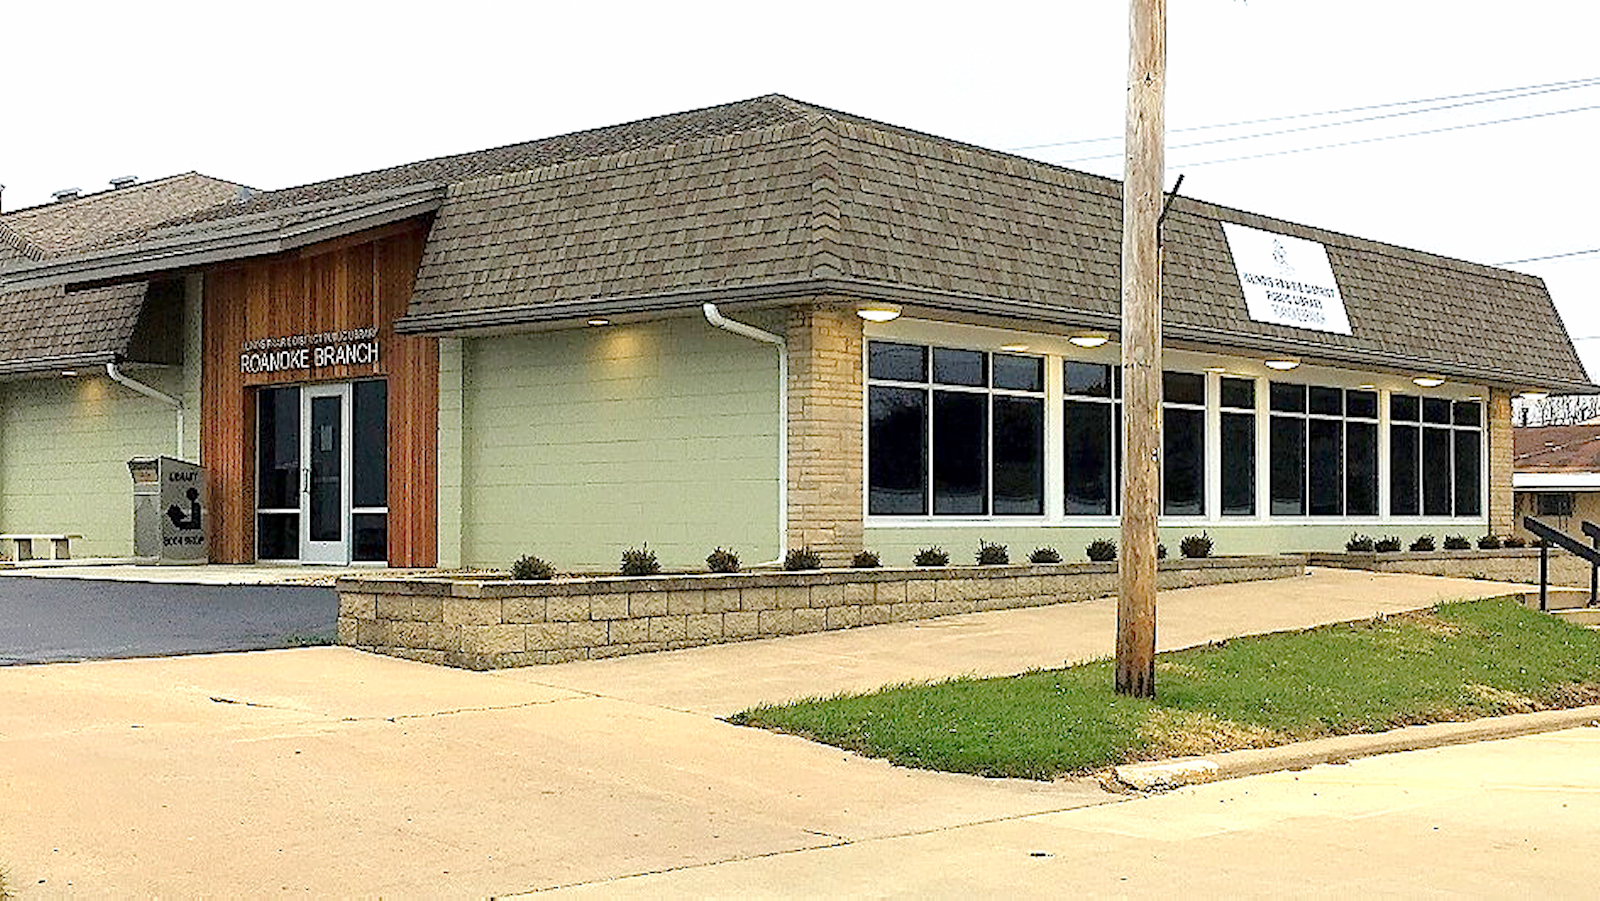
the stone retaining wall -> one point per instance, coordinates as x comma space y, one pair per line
485, 624
1505, 565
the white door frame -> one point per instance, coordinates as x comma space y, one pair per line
331, 552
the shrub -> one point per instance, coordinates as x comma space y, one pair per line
1489, 543
802, 558
931, 556
1457, 543
528, 569
1196, 545
640, 561
1161, 551
992, 554
1101, 550
1423, 543
1388, 544
1044, 555
1514, 541
1359, 544
864, 560
722, 561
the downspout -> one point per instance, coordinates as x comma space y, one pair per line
177, 405
716, 318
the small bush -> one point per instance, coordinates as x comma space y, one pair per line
1161, 551
1044, 555
1388, 544
1457, 543
1194, 546
992, 554
529, 569
1101, 550
722, 561
1359, 544
1423, 543
864, 560
1514, 541
931, 556
1489, 543
640, 561
802, 558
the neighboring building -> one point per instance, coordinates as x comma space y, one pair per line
528, 350
1557, 476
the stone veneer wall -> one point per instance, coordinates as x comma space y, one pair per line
825, 442
485, 624
1506, 565
1502, 502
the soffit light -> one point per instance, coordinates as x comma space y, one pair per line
1534, 395
878, 311
1014, 348
1428, 381
1216, 369
599, 320
69, 373
1368, 387
1282, 364
1088, 339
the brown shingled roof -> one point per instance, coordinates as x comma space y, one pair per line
94, 220
1557, 448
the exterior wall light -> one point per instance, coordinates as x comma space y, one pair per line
1428, 381
1089, 339
1282, 364
878, 311
1534, 395
599, 320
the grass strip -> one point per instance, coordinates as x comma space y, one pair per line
1456, 661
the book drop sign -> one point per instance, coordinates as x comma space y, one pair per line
1286, 280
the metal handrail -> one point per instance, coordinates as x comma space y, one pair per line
1550, 535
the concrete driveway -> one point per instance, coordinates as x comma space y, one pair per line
329, 771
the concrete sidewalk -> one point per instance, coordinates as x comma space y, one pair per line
335, 772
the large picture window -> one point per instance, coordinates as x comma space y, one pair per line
1183, 444
1238, 402
1324, 450
954, 432
1092, 438
1435, 456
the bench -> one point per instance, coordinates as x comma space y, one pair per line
60, 545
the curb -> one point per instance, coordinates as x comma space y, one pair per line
1164, 775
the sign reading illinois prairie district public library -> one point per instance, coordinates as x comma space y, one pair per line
1286, 281
307, 352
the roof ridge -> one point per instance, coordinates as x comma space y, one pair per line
49, 205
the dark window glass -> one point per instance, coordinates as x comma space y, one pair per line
960, 453
1362, 404
1087, 435
1287, 398
1018, 455
1554, 504
369, 447
1468, 412
1468, 474
898, 440
1238, 464
1436, 483
1436, 410
1361, 469
1327, 467
1288, 458
278, 450
959, 367
369, 533
1088, 379
1238, 393
278, 536
1183, 388
1404, 447
1183, 438
1405, 408
327, 469
1018, 373
1327, 401
897, 362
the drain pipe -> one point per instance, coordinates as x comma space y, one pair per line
177, 405
716, 318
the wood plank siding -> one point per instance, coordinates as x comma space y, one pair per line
362, 281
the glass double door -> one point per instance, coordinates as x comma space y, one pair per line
322, 473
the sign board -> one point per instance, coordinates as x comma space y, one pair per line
1286, 280
352, 347
183, 512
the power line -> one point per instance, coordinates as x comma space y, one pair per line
1575, 82
1553, 256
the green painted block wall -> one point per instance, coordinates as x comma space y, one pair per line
64, 450
578, 444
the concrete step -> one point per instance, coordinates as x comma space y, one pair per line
1561, 598
1582, 616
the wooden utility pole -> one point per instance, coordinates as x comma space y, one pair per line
1143, 177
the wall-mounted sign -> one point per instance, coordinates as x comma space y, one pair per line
353, 347
1286, 281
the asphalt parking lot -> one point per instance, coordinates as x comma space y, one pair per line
44, 620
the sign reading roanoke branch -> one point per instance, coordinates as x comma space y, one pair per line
307, 352
1286, 281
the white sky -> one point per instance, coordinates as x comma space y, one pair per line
282, 93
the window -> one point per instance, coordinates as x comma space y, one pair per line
1183, 444
1435, 456
1092, 435
1558, 504
1324, 451
1238, 401
954, 432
